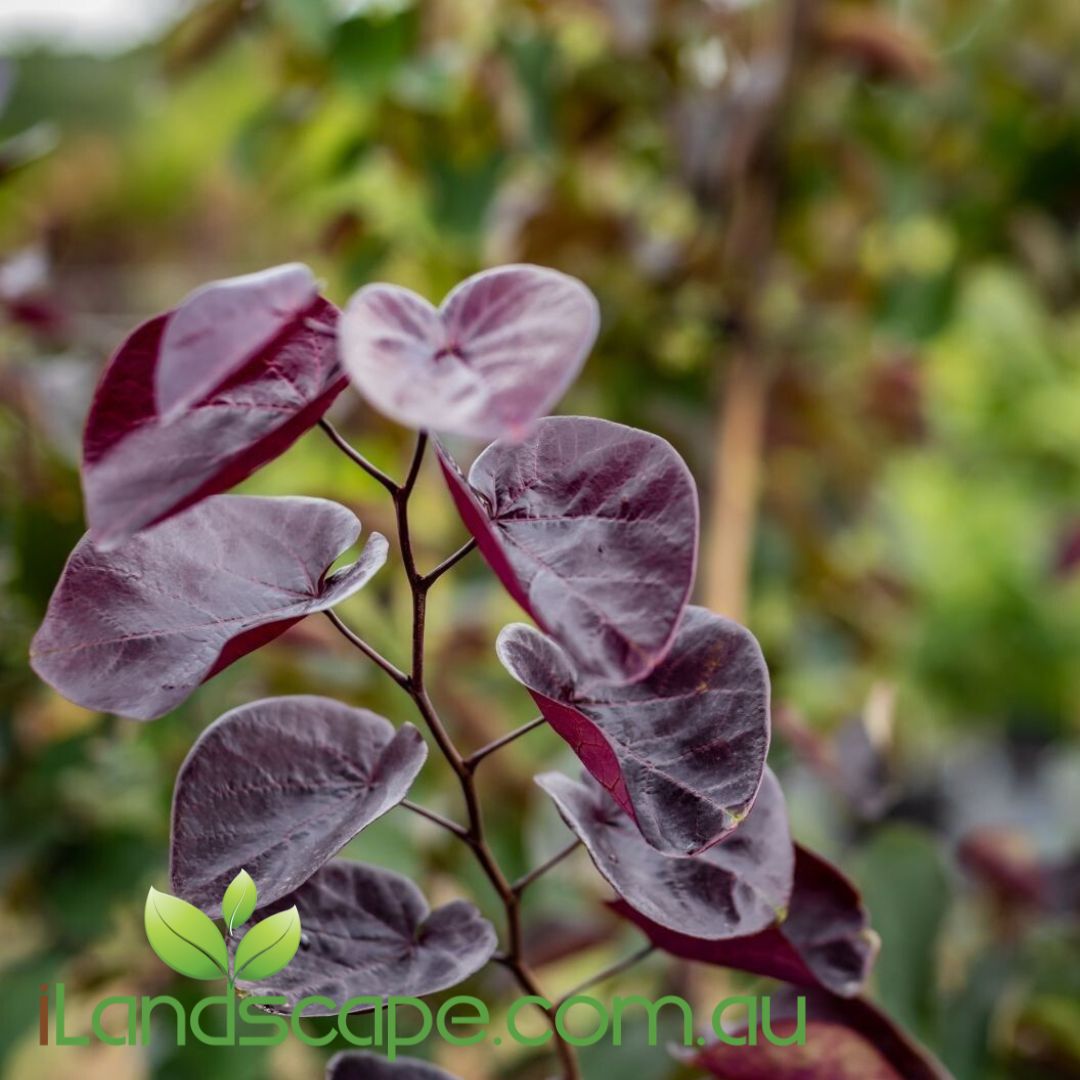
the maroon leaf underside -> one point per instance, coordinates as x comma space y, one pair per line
592, 527
360, 1065
682, 751
135, 630
734, 889
846, 1039
825, 939
369, 932
500, 352
277, 788
139, 469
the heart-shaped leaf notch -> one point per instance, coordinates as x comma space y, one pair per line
360, 1065
279, 787
498, 354
824, 940
369, 933
682, 751
736, 888
592, 527
140, 467
136, 630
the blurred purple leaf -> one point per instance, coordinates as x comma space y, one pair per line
359, 1065
683, 751
824, 940
592, 527
219, 327
845, 1039
136, 630
734, 889
280, 786
139, 469
369, 932
500, 351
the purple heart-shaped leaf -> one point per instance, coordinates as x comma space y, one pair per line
136, 630
735, 888
593, 529
682, 751
359, 1065
499, 353
139, 468
280, 786
824, 940
368, 932
844, 1039
219, 327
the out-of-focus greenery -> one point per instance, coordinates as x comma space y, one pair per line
901, 260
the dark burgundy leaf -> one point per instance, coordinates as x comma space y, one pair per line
499, 353
735, 888
139, 469
682, 751
136, 630
845, 1039
359, 1065
219, 327
277, 788
593, 529
825, 939
369, 932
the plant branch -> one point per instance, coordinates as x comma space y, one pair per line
617, 968
372, 470
443, 822
524, 882
477, 756
392, 670
449, 563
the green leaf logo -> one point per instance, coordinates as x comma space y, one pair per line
268, 946
185, 938
239, 901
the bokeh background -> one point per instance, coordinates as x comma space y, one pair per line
837, 248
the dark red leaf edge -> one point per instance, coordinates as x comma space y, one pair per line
139, 470
828, 1017
824, 939
277, 788
734, 889
361, 1065
368, 932
682, 751
592, 527
208, 576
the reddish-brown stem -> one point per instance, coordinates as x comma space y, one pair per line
372, 470
477, 756
524, 882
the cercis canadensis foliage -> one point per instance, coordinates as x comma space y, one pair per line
591, 527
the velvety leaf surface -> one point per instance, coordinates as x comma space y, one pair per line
369, 932
136, 630
735, 888
825, 939
498, 353
221, 325
682, 751
280, 786
593, 529
360, 1065
846, 1039
139, 468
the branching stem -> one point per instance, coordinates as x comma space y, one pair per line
477, 756
617, 968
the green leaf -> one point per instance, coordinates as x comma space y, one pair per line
239, 901
268, 946
185, 938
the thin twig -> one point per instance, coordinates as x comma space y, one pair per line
372, 654
477, 756
617, 968
449, 563
443, 822
349, 451
524, 882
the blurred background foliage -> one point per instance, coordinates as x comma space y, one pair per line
837, 249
